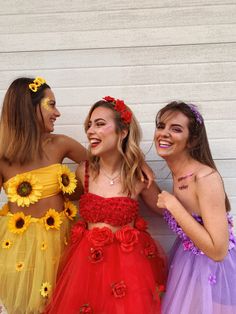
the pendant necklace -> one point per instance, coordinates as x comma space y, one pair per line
111, 180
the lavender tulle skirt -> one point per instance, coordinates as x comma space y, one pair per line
197, 284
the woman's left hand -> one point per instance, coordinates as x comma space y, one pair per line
166, 200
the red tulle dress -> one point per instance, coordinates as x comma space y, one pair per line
110, 273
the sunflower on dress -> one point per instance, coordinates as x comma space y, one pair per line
52, 219
70, 210
24, 189
67, 180
45, 289
18, 222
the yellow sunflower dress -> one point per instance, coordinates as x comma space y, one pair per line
30, 248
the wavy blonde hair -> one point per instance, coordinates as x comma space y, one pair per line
128, 148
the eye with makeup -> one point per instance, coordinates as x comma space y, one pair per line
160, 125
100, 123
177, 129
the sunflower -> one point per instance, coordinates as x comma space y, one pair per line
4, 210
70, 210
67, 180
45, 289
43, 246
52, 219
6, 244
19, 266
24, 189
18, 222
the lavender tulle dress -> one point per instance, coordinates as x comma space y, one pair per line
197, 284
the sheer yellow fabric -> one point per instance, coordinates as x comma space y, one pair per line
28, 264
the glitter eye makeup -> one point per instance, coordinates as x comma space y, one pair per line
45, 104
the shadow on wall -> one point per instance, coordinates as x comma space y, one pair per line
157, 227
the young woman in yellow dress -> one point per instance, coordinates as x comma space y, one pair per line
35, 223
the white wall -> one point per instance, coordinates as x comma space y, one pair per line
146, 52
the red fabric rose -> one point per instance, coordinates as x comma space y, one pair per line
150, 250
119, 289
86, 308
109, 98
126, 116
100, 236
127, 236
140, 224
96, 255
120, 105
160, 290
77, 231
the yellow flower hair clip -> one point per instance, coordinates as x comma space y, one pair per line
37, 82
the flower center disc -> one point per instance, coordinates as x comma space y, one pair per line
24, 189
65, 180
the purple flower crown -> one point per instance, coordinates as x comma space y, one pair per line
196, 113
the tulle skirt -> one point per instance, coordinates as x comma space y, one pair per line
30, 253
199, 285
110, 273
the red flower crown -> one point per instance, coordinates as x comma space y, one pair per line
120, 107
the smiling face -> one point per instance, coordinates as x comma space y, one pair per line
172, 134
102, 132
47, 112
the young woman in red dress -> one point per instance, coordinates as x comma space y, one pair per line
113, 266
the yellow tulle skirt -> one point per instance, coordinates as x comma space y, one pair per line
30, 253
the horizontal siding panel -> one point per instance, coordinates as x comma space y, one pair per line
118, 38
39, 62
147, 112
196, 93
104, 20
215, 110
24, 6
212, 110
135, 75
148, 93
220, 148
220, 129
215, 129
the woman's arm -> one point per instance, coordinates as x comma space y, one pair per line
149, 195
211, 238
148, 174
72, 149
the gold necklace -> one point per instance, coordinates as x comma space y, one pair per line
111, 180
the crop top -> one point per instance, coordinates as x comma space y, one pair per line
31, 186
116, 210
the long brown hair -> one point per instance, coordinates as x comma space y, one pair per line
20, 134
199, 145
128, 147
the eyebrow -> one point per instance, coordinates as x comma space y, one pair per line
174, 124
98, 119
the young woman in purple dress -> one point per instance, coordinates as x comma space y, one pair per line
202, 269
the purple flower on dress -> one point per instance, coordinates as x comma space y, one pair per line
187, 244
212, 279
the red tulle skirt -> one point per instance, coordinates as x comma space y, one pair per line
110, 273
